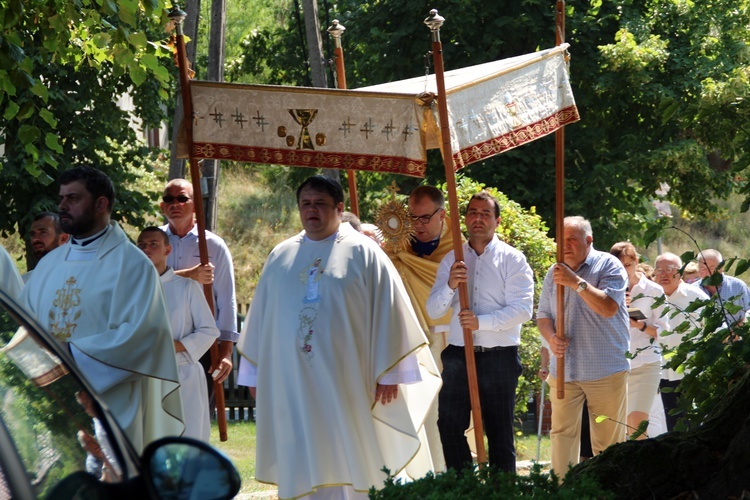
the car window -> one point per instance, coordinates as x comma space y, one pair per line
52, 420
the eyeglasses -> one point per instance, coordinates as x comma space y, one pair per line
180, 198
667, 269
424, 219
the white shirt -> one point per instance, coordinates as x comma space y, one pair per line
501, 294
680, 300
643, 346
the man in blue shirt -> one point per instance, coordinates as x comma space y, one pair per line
596, 339
178, 207
731, 290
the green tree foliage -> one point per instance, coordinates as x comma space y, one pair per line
712, 355
62, 64
661, 87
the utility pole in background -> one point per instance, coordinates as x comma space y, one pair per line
316, 58
211, 168
190, 29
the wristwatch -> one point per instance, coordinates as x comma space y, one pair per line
643, 328
582, 285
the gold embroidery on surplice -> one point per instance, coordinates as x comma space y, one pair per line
64, 314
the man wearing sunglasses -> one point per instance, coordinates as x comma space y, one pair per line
178, 207
417, 264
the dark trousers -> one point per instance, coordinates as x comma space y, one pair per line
586, 451
497, 376
205, 361
669, 400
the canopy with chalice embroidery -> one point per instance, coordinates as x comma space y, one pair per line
492, 107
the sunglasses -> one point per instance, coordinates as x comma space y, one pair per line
169, 198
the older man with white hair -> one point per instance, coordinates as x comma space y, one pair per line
731, 290
597, 336
679, 296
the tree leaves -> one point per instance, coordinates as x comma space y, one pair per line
62, 64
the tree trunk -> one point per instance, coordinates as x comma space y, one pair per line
712, 461
317, 59
190, 29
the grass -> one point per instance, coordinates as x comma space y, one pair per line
240, 448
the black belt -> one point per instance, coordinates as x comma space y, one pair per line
479, 348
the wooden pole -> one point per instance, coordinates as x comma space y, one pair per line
434, 22
336, 30
178, 16
560, 209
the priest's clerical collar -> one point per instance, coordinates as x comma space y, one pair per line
329, 238
90, 239
421, 248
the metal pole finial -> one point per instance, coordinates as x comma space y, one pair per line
177, 15
434, 21
336, 29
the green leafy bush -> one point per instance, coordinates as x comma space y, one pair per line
491, 484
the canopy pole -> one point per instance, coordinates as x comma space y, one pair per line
336, 30
434, 22
560, 209
178, 16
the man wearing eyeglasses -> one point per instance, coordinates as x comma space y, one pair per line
417, 264
730, 290
679, 295
178, 207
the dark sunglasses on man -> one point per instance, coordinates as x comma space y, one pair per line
180, 198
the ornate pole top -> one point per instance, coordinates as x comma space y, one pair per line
177, 16
336, 29
434, 21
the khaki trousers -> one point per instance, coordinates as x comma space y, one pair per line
607, 396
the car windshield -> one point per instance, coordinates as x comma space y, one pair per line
52, 420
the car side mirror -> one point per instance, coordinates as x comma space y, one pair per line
175, 467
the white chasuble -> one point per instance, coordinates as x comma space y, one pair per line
10, 279
328, 320
194, 326
111, 309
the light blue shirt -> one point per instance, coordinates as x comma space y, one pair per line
185, 255
597, 344
733, 291
501, 294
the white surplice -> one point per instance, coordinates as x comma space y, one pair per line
329, 320
194, 326
10, 279
105, 300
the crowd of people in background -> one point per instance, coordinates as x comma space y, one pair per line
355, 352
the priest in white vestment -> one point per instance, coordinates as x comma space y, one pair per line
101, 295
335, 355
10, 278
193, 330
